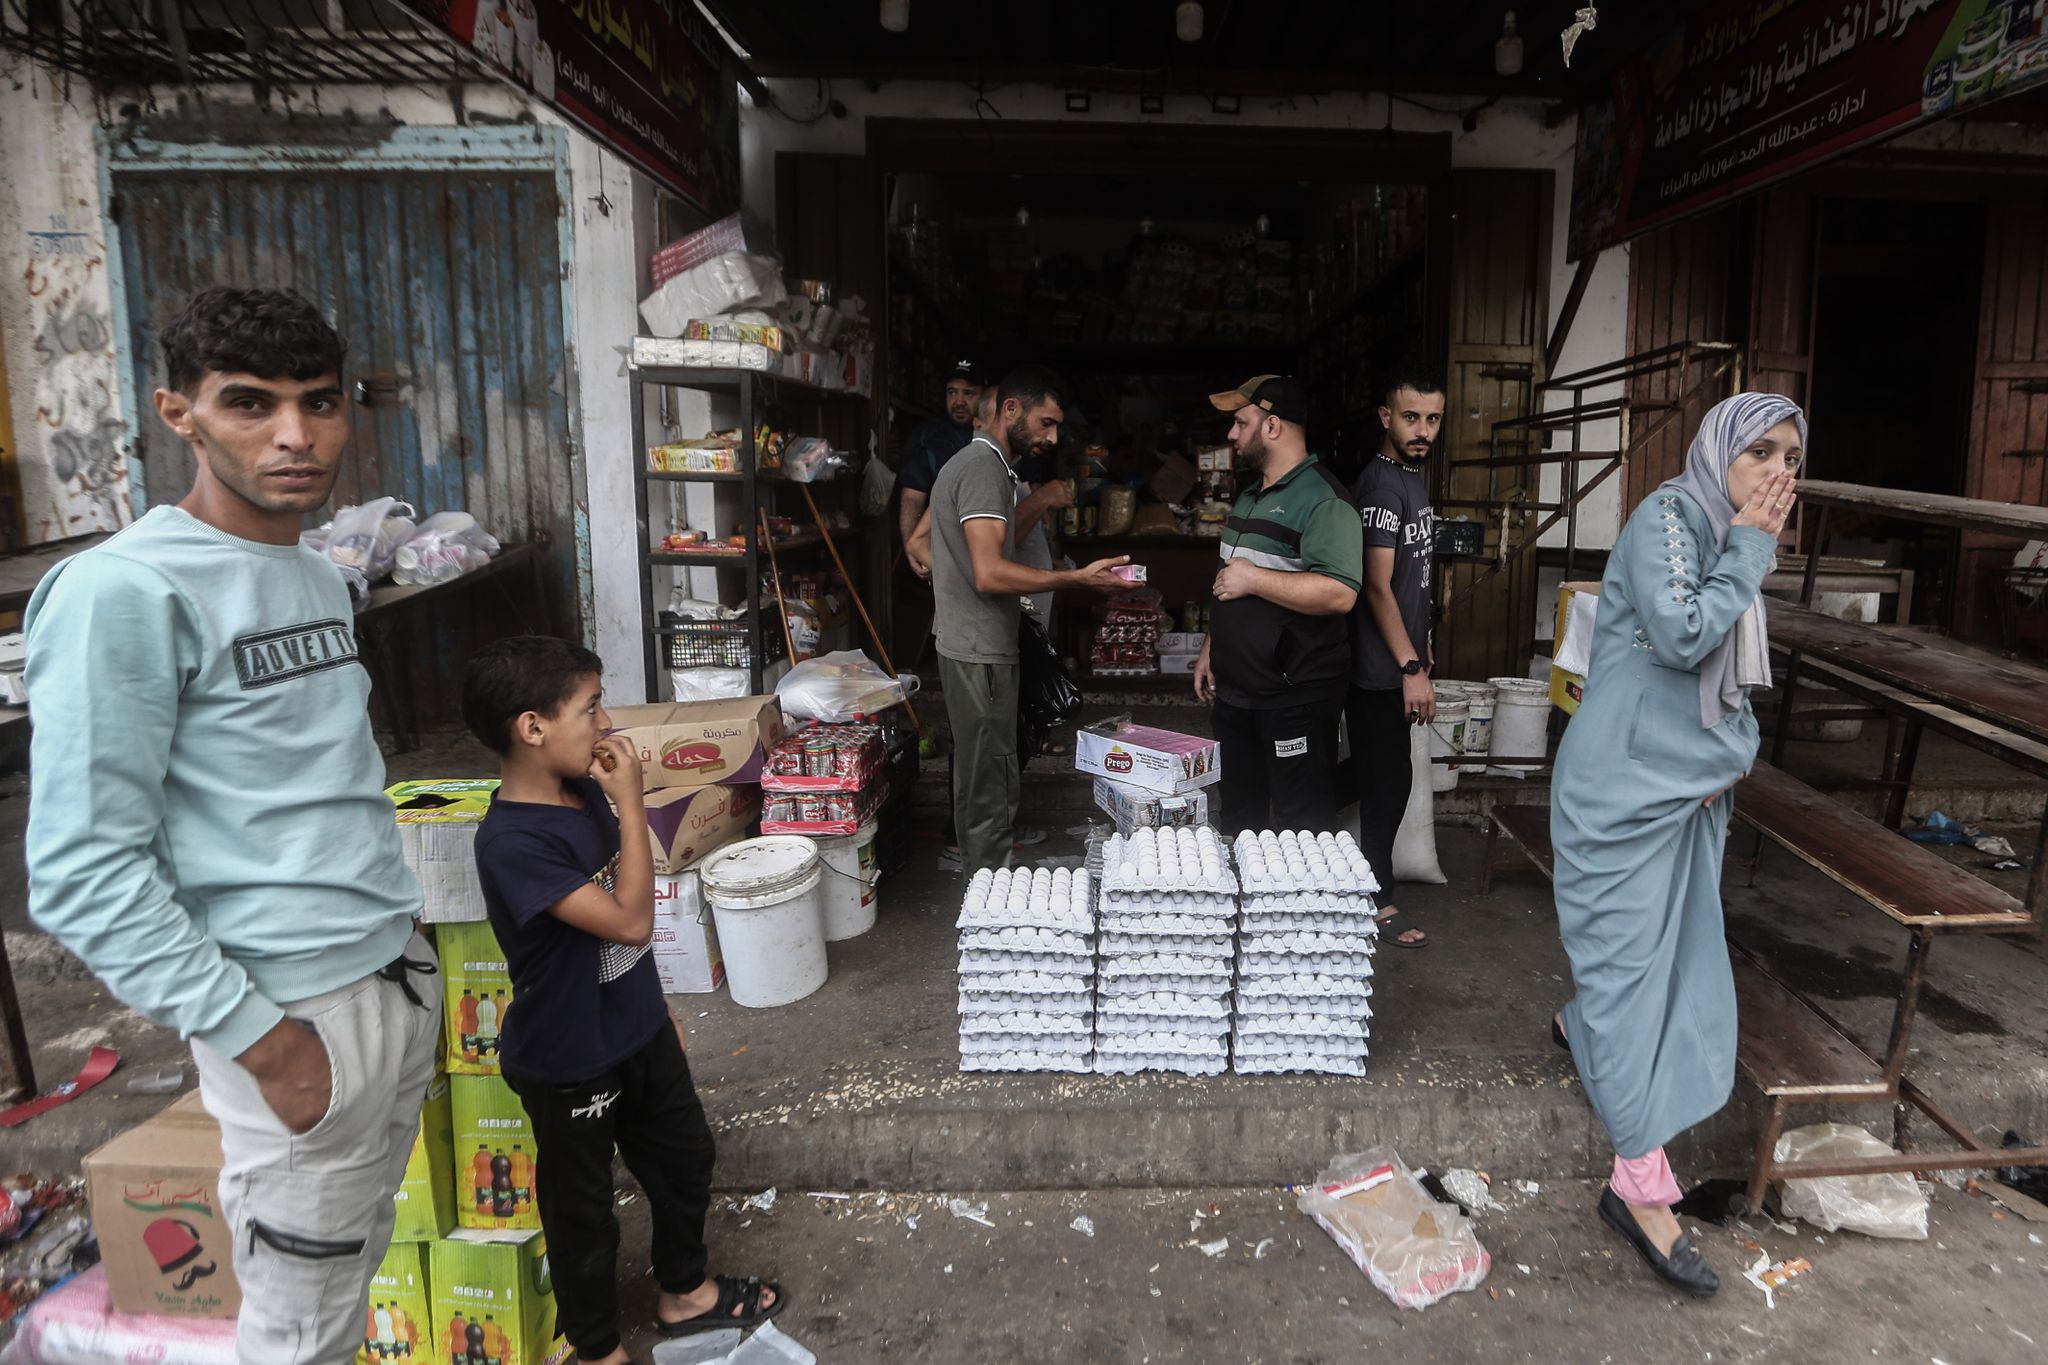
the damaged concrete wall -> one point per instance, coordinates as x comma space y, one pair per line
71, 436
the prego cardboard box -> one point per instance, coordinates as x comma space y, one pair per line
426, 1196
697, 743
688, 822
398, 1324
493, 1156
685, 941
494, 1300
476, 988
437, 823
1161, 760
155, 1201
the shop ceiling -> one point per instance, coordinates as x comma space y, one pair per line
1247, 47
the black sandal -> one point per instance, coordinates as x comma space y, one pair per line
734, 1291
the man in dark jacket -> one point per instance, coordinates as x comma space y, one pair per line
1277, 660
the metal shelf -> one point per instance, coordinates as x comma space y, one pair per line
695, 476
679, 377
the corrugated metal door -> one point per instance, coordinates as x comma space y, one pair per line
447, 288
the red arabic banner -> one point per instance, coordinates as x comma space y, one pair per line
646, 77
1750, 91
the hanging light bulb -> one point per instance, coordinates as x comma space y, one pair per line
1507, 53
1262, 225
1187, 21
896, 15
1023, 217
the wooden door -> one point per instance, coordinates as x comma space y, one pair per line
1678, 292
1499, 316
2008, 452
1785, 244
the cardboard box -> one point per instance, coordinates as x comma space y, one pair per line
1173, 480
1181, 641
698, 743
1213, 459
1158, 760
426, 1196
689, 822
437, 822
1568, 685
685, 941
164, 1238
1180, 664
493, 1156
399, 1322
1132, 808
476, 990
494, 1293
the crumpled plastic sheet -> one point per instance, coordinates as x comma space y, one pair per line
1412, 1248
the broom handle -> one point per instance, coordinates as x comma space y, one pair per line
860, 606
775, 573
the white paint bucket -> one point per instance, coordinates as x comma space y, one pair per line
1521, 723
1479, 701
771, 927
848, 889
1447, 739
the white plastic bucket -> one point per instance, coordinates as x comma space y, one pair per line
1521, 723
848, 889
1447, 739
764, 898
1479, 702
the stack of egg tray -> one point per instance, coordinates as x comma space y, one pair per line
1306, 935
1168, 920
1027, 971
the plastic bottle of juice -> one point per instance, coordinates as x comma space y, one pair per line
480, 1178
494, 1342
486, 1026
458, 1340
503, 1204
522, 1175
465, 1024
387, 1341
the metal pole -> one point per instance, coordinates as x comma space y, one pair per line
860, 606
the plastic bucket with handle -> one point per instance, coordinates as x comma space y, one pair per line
771, 927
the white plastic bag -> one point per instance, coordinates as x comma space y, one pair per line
1415, 842
708, 684
444, 547
366, 538
1413, 1249
840, 686
1874, 1205
877, 482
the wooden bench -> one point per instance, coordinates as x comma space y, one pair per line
1528, 828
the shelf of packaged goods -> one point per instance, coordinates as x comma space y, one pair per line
675, 376
698, 476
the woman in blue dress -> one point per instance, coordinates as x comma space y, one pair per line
1640, 805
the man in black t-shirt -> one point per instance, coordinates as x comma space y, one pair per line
1391, 658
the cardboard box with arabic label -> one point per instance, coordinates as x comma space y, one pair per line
155, 1199
494, 1299
696, 743
689, 822
398, 1323
476, 992
494, 1156
426, 1194
437, 824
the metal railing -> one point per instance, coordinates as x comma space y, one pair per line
1698, 365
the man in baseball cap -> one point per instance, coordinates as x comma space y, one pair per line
1277, 659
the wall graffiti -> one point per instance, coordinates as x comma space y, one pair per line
78, 417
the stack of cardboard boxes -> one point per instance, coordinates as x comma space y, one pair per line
1147, 778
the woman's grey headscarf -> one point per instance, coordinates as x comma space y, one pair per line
1743, 659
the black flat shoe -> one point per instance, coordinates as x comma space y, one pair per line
1557, 1035
1683, 1269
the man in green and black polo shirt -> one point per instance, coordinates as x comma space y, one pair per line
1277, 661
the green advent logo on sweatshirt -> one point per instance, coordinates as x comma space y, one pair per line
277, 656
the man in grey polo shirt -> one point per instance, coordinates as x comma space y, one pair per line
976, 583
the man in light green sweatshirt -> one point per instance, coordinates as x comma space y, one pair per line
208, 828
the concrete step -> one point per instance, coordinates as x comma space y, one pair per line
858, 1085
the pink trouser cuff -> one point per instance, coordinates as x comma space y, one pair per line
1645, 1179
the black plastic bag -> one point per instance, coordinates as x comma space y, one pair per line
1046, 696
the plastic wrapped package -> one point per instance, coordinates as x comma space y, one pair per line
1413, 1249
1890, 1205
77, 1322
722, 284
442, 548
841, 686
708, 684
365, 538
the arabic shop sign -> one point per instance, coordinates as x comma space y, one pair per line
1749, 91
646, 77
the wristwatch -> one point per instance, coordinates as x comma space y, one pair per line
1411, 668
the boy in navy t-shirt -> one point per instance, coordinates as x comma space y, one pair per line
591, 1051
